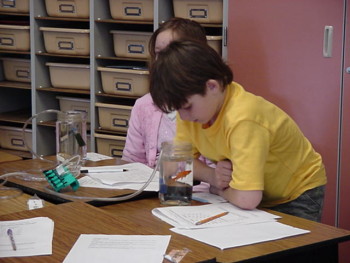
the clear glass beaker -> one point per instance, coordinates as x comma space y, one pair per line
71, 139
176, 173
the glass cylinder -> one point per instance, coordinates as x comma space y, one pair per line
176, 173
71, 139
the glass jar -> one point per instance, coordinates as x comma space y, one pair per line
71, 139
176, 173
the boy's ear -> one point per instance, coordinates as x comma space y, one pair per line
213, 85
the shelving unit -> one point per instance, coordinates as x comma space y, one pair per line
40, 95
15, 99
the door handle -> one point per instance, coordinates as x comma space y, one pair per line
348, 70
327, 41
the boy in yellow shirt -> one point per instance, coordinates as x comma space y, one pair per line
262, 157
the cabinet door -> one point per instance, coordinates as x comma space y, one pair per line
275, 49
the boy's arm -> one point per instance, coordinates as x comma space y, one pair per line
247, 199
249, 144
219, 177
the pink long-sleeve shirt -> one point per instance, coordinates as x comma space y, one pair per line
143, 137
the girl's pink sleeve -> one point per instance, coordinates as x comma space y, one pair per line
134, 150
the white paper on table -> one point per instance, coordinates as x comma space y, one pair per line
134, 178
241, 235
90, 156
33, 237
187, 216
206, 197
118, 248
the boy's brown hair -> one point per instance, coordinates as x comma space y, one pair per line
182, 69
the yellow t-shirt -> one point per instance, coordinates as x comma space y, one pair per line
267, 149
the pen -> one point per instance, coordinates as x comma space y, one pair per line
10, 234
208, 219
103, 170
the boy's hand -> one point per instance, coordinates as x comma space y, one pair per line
223, 174
214, 190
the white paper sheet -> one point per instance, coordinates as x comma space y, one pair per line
241, 235
118, 248
187, 216
32, 237
238, 228
97, 157
206, 197
134, 178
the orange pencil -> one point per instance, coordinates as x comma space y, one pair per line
206, 220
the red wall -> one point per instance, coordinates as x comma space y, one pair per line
275, 50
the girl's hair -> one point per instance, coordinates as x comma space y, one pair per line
182, 69
183, 28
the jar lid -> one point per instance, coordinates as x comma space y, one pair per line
71, 116
176, 148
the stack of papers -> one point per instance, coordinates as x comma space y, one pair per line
186, 217
27, 237
239, 227
135, 176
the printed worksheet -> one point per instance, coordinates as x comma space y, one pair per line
118, 248
188, 216
26, 237
133, 176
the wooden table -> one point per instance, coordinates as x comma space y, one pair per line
321, 245
35, 166
135, 217
15, 204
75, 218
8, 157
